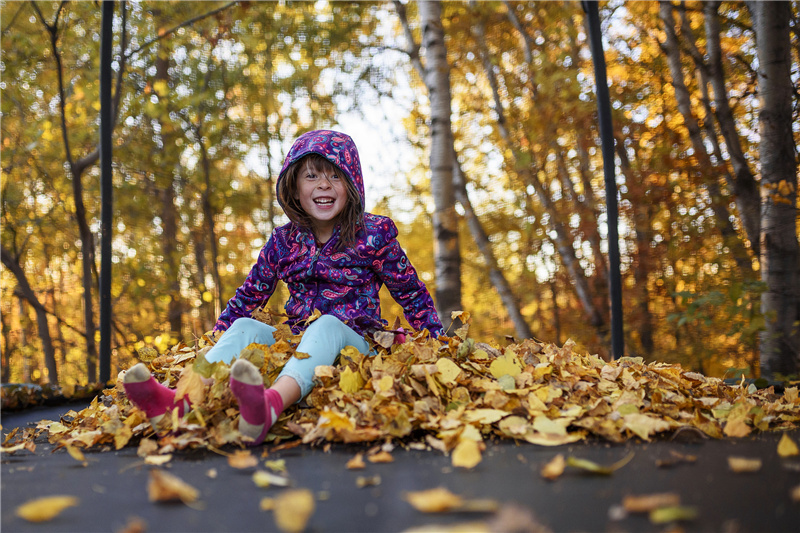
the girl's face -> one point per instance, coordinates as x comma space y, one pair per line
322, 195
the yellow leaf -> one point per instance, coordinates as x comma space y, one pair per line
448, 370
368, 481
157, 460
335, 420
301, 355
47, 508
507, 364
436, 500
543, 424
665, 515
644, 425
441, 500
165, 487
554, 468
76, 454
467, 454
384, 384
264, 479
278, 465
744, 464
595, 468
292, 509
484, 416
350, 381
787, 447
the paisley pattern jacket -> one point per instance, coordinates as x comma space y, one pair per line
341, 282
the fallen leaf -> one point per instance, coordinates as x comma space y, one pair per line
645, 503
368, 481
47, 508
380, 457
441, 500
467, 454
787, 447
554, 468
350, 381
278, 465
76, 454
264, 479
356, 462
665, 515
508, 364
437, 500
744, 464
795, 494
594, 468
158, 460
165, 487
292, 510
242, 459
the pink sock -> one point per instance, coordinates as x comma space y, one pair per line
259, 409
154, 398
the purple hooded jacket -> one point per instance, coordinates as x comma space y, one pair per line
343, 283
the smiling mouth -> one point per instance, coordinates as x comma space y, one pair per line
324, 201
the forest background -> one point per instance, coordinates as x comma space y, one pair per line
477, 124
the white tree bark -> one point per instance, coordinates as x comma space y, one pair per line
780, 252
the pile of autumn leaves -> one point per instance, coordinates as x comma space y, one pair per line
450, 394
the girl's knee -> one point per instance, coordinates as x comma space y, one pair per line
326, 322
243, 324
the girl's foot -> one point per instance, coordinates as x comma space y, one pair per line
259, 407
151, 396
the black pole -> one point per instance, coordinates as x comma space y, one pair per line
106, 189
607, 138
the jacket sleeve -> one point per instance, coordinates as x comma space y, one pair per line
396, 272
256, 289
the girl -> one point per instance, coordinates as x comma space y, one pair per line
333, 257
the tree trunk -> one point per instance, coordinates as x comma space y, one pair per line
744, 186
706, 169
446, 250
496, 275
780, 253
77, 168
41, 315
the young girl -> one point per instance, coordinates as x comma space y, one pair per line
333, 257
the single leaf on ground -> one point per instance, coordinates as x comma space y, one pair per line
441, 500
264, 479
292, 510
166, 487
242, 459
356, 462
645, 503
554, 468
44, 509
467, 454
665, 515
595, 468
745, 465
787, 447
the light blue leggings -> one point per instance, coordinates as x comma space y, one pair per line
322, 340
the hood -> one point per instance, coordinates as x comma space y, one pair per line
336, 147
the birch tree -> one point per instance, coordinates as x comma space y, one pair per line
780, 253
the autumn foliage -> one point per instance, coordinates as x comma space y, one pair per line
452, 394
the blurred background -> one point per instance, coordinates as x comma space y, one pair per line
210, 95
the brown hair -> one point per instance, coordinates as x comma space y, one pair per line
350, 219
